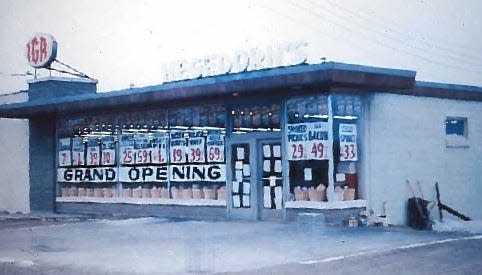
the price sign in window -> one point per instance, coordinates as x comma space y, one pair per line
93, 152
308, 141
141, 151
317, 140
127, 149
178, 144
215, 146
65, 155
196, 149
348, 147
158, 148
108, 151
78, 152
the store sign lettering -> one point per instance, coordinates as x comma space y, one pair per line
213, 172
286, 54
143, 174
41, 50
87, 174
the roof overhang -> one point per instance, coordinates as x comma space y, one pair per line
328, 74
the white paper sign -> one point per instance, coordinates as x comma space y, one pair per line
240, 153
277, 166
95, 174
307, 141
348, 146
93, 152
198, 172
277, 151
239, 175
143, 174
266, 151
195, 147
278, 195
266, 166
235, 186
108, 151
236, 201
158, 148
246, 201
267, 196
65, 154
246, 187
78, 152
127, 149
215, 146
307, 173
246, 170
178, 144
141, 149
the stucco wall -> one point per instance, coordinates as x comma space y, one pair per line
14, 194
407, 141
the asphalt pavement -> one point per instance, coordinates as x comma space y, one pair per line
160, 246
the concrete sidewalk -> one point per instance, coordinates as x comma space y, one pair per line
157, 246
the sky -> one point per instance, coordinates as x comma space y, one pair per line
122, 43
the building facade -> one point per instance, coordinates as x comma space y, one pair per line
266, 144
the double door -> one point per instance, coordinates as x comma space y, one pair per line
255, 178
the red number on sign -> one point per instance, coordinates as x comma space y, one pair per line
127, 156
93, 158
79, 159
106, 157
176, 155
195, 154
349, 151
64, 158
317, 150
160, 157
142, 156
214, 153
298, 151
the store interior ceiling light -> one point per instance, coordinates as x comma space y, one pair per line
345, 117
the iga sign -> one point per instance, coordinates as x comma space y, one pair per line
286, 54
41, 50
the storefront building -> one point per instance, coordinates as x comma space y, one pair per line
258, 145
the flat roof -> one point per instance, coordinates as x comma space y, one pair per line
263, 82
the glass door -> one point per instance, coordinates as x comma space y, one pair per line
242, 199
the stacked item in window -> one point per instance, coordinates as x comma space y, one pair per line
272, 180
241, 192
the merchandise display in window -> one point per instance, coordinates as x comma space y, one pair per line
183, 160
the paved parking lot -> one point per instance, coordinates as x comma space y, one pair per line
161, 246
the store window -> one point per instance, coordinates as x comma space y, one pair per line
317, 136
346, 121
197, 153
308, 147
255, 118
456, 132
150, 154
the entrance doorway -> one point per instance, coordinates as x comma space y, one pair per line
256, 178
